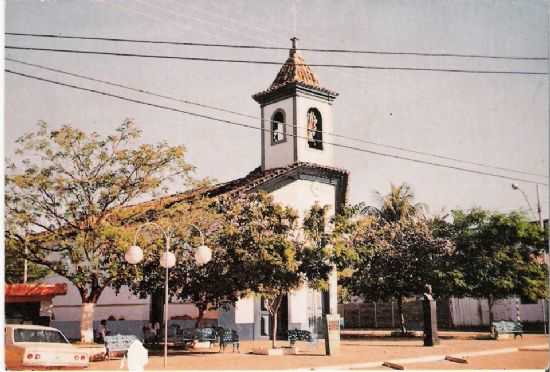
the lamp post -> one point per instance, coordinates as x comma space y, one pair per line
541, 224
134, 255
539, 210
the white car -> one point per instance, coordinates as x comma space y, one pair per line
31, 346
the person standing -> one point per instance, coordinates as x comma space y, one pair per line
103, 330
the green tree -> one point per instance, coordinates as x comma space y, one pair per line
390, 252
395, 260
213, 286
64, 203
500, 255
397, 205
15, 267
264, 243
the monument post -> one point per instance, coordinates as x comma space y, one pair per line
332, 319
430, 318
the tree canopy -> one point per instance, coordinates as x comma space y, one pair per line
390, 251
500, 254
215, 285
66, 194
267, 249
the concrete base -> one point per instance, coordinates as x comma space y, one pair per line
291, 350
268, 351
202, 345
534, 348
95, 352
504, 336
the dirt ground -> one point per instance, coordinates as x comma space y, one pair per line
353, 353
518, 360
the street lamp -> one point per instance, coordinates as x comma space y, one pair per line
134, 255
539, 210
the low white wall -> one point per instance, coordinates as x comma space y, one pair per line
123, 305
467, 312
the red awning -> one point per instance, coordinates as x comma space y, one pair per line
33, 292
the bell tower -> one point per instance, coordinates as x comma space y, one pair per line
296, 116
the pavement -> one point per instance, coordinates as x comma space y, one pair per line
362, 333
529, 352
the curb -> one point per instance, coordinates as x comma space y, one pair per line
428, 358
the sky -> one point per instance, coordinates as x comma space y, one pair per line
496, 119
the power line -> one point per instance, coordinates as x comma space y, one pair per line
264, 47
247, 61
234, 123
148, 92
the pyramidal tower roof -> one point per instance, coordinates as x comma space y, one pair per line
294, 72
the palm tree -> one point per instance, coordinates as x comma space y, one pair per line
397, 206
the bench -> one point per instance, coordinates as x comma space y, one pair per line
174, 332
506, 327
228, 336
206, 335
150, 337
295, 335
118, 343
186, 337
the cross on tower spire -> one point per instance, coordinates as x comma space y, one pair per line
293, 39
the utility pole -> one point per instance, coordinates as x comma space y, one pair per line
545, 307
539, 209
25, 267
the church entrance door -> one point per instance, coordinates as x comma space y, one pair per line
282, 320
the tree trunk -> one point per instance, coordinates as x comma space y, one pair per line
87, 322
402, 325
199, 318
274, 329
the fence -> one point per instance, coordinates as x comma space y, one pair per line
385, 314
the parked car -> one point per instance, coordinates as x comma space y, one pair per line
32, 346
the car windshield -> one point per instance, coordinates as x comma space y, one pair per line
38, 335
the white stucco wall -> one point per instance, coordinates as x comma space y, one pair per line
244, 310
297, 306
123, 305
281, 154
475, 312
302, 194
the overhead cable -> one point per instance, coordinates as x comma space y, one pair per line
264, 47
234, 123
247, 61
268, 121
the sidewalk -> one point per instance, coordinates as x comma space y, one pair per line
361, 333
355, 353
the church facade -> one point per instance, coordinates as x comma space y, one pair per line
297, 169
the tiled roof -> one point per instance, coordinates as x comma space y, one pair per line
258, 177
250, 182
35, 290
295, 72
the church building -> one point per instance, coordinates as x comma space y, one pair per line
296, 168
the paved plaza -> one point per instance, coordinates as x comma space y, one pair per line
363, 354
